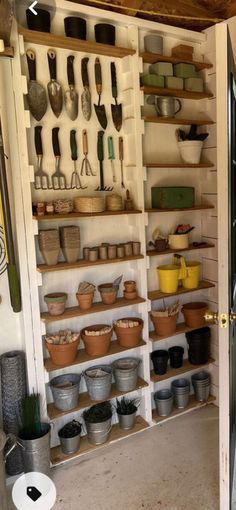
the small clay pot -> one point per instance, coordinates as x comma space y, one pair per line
75, 27
85, 301
130, 286
128, 249
56, 302
130, 295
194, 314
103, 252
96, 345
108, 294
112, 251
120, 251
63, 355
50, 256
136, 247
129, 337
93, 255
71, 254
105, 33
164, 326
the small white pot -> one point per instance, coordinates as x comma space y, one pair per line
190, 151
178, 242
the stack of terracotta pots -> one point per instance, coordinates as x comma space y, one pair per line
130, 291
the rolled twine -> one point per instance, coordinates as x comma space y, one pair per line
13, 388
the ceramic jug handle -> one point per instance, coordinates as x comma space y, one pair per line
179, 107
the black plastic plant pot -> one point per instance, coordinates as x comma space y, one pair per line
105, 33
75, 27
176, 354
160, 360
41, 22
199, 345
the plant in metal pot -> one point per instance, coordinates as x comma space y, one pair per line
70, 437
98, 422
126, 410
34, 436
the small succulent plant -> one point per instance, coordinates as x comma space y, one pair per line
127, 405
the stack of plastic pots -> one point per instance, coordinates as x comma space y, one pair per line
201, 385
199, 345
164, 402
160, 360
176, 356
181, 389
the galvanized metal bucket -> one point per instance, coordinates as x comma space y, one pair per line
65, 390
127, 421
36, 452
98, 381
126, 373
164, 402
98, 432
70, 444
3, 441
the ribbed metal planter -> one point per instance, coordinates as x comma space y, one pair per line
127, 421
164, 402
36, 452
99, 387
65, 398
126, 373
98, 432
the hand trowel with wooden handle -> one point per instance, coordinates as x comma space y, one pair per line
37, 98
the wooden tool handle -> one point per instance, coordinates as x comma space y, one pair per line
85, 141
121, 148
31, 61
98, 76
52, 63
38, 140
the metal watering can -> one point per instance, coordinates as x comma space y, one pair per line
169, 275
3, 441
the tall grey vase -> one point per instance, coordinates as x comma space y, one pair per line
13, 388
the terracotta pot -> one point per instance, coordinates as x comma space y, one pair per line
130, 295
130, 286
85, 301
108, 293
63, 355
96, 345
129, 337
194, 314
56, 302
164, 326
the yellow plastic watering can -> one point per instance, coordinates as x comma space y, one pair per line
169, 275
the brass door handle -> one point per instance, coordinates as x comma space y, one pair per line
211, 316
221, 319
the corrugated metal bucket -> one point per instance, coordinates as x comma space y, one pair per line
126, 373
36, 452
65, 390
98, 381
98, 432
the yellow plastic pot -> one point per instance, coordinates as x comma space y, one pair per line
169, 275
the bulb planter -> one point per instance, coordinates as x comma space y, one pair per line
69, 436
96, 345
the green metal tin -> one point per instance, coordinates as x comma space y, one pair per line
172, 197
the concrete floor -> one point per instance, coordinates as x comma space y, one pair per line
173, 466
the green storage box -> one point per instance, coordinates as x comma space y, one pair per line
172, 82
172, 197
184, 70
152, 80
194, 84
162, 69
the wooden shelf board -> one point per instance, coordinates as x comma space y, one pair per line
161, 91
97, 307
8, 52
178, 165
195, 208
49, 217
154, 253
152, 58
85, 400
58, 457
193, 404
83, 357
154, 295
180, 328
70, 43
62, 266
175, 120
176, 372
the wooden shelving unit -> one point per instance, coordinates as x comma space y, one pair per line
193, 404
152, 58
98, 307
178, 165
70, 43
176, 372
64, 266
180, 329
196, 208
184, 94
154, 253
49, 217
85, 400
83, 357
85, 447
8, 52
176, 120
154, 295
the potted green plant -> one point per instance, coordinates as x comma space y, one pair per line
70, 437
126, 409
34, 436
98, 422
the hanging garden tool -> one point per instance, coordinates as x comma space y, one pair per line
75, 177
111, 156
116, 109
13, 280
54, 88
41, 179
121, 158
58, 178
85, 163
99, 108
71, 96
86, 95
37, 98
100, 155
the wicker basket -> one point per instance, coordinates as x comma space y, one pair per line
114, 202
89, 204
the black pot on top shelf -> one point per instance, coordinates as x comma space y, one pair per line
199, 345
160, 360
41, 22
105, 33
75, 27
176, 354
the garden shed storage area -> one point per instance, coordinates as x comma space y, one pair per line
119, 163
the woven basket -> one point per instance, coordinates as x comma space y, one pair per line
114, 202
89, 204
